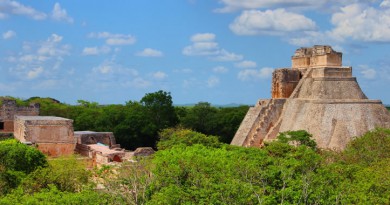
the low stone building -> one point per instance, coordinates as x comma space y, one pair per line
9, 109
318, 95
100, 147
51, 135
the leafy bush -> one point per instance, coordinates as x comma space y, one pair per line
66, 174
16, 161
369, 148
299, 137
179, 136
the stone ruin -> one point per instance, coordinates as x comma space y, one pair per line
53, 136
9, 109
318, 95
99, 146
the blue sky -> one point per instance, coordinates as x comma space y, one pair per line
219, 51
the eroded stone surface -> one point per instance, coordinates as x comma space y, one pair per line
326, 101
52, 135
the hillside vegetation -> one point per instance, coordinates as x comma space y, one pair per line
193, 168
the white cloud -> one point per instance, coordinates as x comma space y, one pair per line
202, 37
359, 22
270, 22
96, 50
9, 34
253, 74
51, 47
385, 4
114, 39
220, 69
246, 64
212, 81
149, 52
367, 72
233, 5
203, 44
159, 75
111, 69
8, 7
224, 55
60, 14
137, 83
39, 59
34, 73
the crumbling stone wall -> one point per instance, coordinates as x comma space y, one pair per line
284, 82
9, 109
90, 137
318, 55
52, 135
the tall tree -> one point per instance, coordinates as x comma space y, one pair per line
159, 107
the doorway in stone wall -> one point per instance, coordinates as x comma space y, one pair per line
117, 159
1, 126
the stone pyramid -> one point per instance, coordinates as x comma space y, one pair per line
318, 95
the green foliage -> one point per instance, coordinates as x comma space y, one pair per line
130, 182
209, 120
53, 196
369, 148
66, 174
233, 175
16, 161
178, 136
299, 137
160, 110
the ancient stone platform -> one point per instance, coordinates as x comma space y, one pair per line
318, 95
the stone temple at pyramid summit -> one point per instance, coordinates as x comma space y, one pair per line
316, 94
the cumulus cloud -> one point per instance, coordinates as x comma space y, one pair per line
246, 64
112, 70
203, 44
9, 7
39, 59
96, 50
51, 47
220, 69
9, 34
385, 4
212, 81
233, 5
254, 74
149, 52
35, 72
367, 72
270, 22
159, 75
114, 39
224, 55
110, 74
202, 37
60, 14
359, 22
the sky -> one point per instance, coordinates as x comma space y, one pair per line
217, 51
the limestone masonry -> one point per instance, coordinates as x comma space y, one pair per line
318, 95
52, 135
9, 109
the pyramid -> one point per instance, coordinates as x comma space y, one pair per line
316, 94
